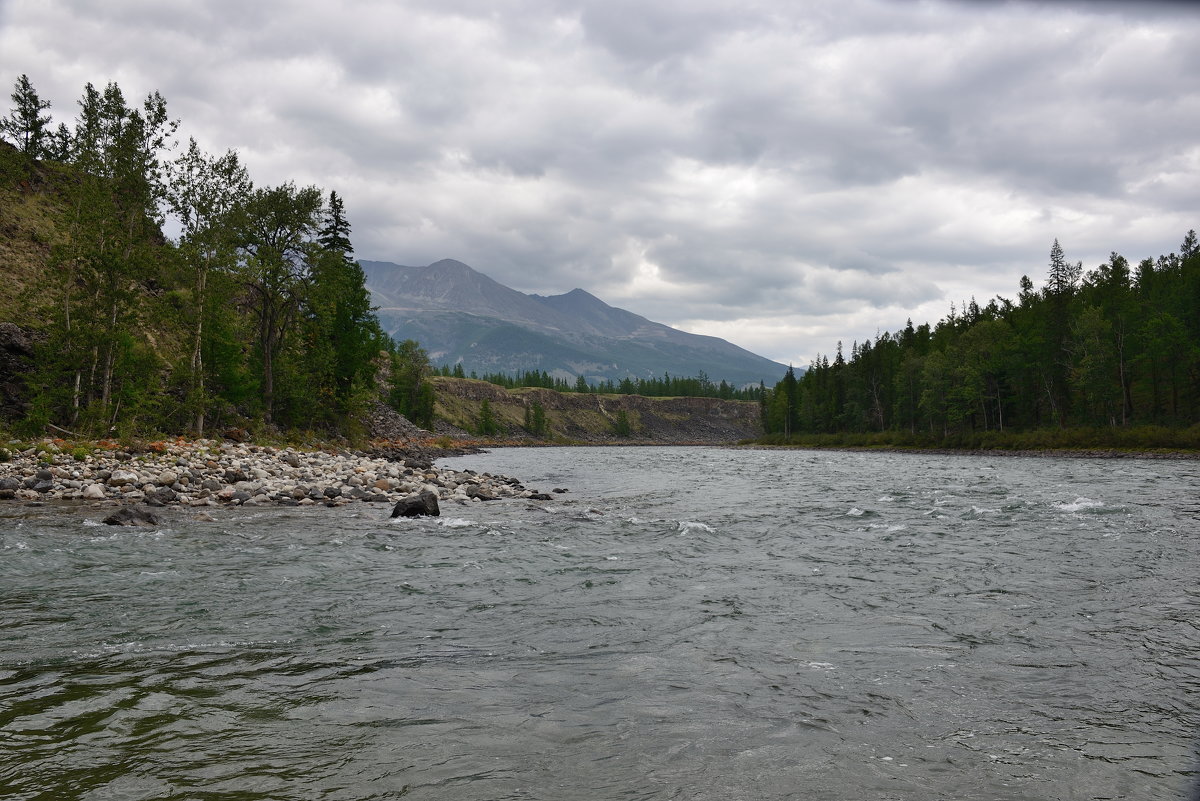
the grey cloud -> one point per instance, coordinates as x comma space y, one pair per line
826, 163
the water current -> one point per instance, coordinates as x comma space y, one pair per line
684, 623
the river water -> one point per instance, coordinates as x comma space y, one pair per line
685, 623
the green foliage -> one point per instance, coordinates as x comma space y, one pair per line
621, 425
409, 390
26, 126
535, 419
256, 317
1089, 354
487, 425
666, 387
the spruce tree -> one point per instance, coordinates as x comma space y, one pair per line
26, 125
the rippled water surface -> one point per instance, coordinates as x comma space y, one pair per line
685, 623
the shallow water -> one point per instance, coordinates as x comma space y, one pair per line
685, 623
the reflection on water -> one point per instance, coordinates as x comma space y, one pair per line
683, 624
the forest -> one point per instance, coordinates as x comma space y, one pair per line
1108, 357
255, 315
668, 386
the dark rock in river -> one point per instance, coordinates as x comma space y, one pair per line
481, 494
133, 516
421, 504
161, 496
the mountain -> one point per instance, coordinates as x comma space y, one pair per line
459, 315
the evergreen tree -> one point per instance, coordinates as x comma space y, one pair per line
26, 125
487, 424
343, 320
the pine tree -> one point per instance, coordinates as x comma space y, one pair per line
26, 125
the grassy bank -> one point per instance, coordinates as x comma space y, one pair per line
1140, 439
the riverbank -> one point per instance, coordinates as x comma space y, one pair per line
1042, 453
203, 473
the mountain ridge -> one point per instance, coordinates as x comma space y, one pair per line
462, 316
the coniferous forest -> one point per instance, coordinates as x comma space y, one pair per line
255, 315
1108, 357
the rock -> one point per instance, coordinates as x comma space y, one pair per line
14, 340
482, 494
120, 478
162, 496
93, 492
540, 496
168, 477
9, 483
133, 516
421, 504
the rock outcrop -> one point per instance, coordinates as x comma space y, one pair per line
595, 418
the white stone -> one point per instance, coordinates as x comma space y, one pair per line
120, 478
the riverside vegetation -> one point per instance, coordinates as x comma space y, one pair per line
1107, 359
255, 317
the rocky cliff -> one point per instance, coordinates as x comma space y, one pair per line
595, 418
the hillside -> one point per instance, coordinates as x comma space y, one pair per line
31, 210
595, 418
461, 316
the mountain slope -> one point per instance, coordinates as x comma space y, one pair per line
461, 316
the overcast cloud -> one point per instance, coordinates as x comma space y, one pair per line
780, 174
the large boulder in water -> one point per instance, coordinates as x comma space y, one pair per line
421, 504
133, 516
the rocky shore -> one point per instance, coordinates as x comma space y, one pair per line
202, 473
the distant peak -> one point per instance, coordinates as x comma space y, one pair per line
447, 263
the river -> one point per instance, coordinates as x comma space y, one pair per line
684, 623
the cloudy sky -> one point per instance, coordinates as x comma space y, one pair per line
780, 174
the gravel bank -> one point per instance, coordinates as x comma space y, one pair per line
216, 473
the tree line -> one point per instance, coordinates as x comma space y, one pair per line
668, 386
1116, 348
256, 314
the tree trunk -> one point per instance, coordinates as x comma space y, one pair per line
197, 353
